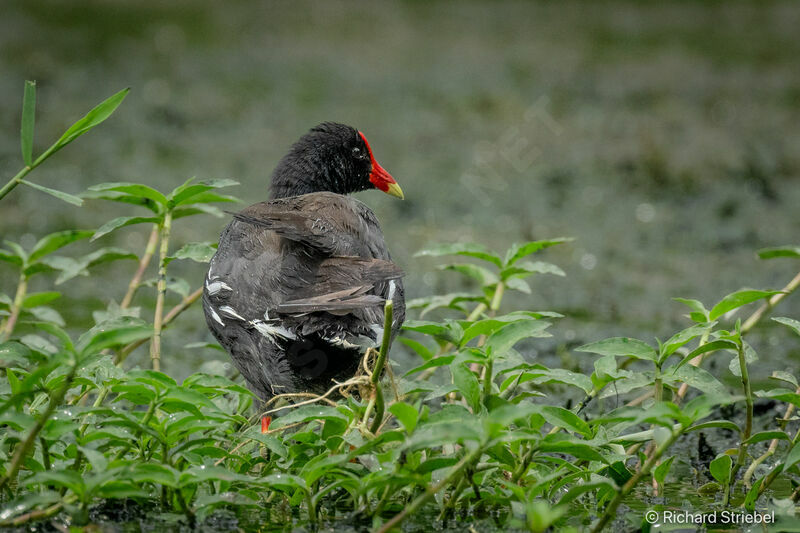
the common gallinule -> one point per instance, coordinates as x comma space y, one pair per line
296, 290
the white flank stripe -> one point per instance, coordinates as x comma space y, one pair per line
231, 312
215, 316
214, 288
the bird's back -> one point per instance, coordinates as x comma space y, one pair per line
295, 291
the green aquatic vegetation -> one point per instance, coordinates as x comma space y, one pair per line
477, 430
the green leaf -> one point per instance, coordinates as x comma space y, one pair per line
121, 222
188, 192
308, 413
621, 347
61, 195
750, 357
202, 252
781, 251
721, 468
489, 326
794, 324
726, 424
699, 312
466, 249
406, 414
11, 258
528, 268
154, 473
423, 351
784, 376
502, 340
116, 196
792, 458
520, 250
467, 383
558, 416
449, 330
683, 337
738, 299
660, 473
94, 117
482, 275
54, 241
35, 299
114, 332
133, 189
28, 119
708, 347
761, 436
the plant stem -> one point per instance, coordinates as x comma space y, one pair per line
144, 261
430, 492
748, 426
161, 292
773, 445
172, 315
611, 509
16, 180
16, 307
23, 448
375, 379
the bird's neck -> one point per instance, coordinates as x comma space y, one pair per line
304, 172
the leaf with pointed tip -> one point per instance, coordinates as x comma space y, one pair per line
467, 383
524, 269
78, 267
683, 337
466, 249
197, 209
202, 252
61, 195
520, 250
9, 257
476, 272
781, 251
738, 299
792, 458
94, 117
720, 468
35, 299
116, 196
121, 222
750, 357
518, 284
28, 119
188, 192
621, 347
406, 414
708, 347
133, 189
54, 241
558, 416
502, 340
790, 322
699, 312
114, 332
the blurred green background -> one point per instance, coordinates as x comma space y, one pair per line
662, 136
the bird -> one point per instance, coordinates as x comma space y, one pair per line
295, 292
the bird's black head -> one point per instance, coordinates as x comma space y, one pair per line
331, 157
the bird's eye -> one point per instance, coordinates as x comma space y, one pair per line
357, 151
